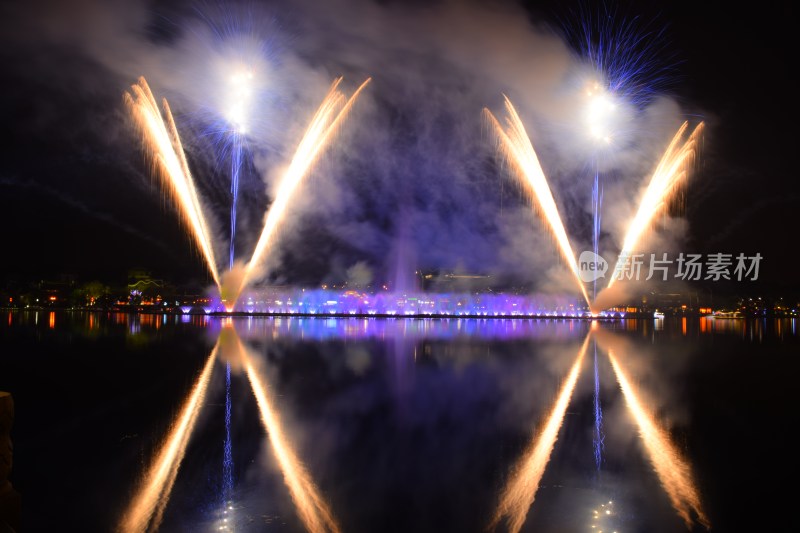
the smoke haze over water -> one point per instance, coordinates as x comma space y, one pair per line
413, 182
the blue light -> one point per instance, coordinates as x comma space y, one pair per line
598, 437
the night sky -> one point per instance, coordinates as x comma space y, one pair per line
413, 174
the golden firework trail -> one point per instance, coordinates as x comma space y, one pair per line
517, 148
671, 170
312, 509
325, 123
674, 472
166, 150
520, 492
147, 507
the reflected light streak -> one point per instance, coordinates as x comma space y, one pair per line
168, 156
326, 121
671, 170
227, 461
147, 507
517, 148
672, 469
311, 507
598, 416
519, 494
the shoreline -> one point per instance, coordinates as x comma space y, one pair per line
265, 314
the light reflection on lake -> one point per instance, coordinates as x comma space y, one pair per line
364, 424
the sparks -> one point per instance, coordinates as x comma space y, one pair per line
168, 156
241, 93
326, 121
599, 116
630, 54
517, 147
597, 202
671, 170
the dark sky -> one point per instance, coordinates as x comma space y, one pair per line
414, 176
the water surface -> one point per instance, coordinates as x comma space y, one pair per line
365, 425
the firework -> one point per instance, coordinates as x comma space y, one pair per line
236, 114
626, 64
324, 124
670, 172
517, 148
631, 55
600, 114
168, 157
597, 202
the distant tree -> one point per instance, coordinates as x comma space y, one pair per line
90, 294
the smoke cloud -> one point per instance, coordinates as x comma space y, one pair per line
413, 182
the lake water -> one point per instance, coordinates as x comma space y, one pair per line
128, 422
